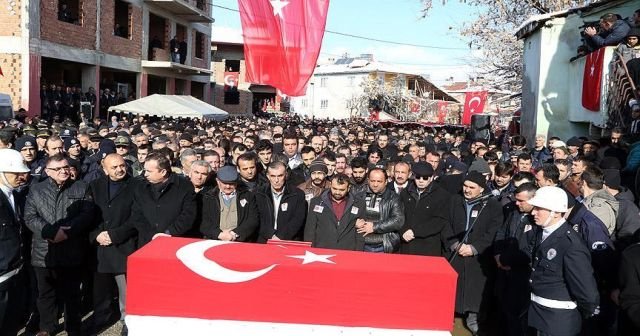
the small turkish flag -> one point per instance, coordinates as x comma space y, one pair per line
1, 74
592, 80
230, 80
178, 286
442, 111
474, 104
282, 41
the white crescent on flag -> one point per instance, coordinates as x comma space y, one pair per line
230, 80
192, 256
474, 99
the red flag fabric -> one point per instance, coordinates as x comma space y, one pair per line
282, 41
592, 80
442, 111
230, 80
473, 104
1, 73
178, 286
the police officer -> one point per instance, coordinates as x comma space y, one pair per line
563, 288
13, 174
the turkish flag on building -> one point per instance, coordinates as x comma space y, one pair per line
473, 104
442, 111
1, 74
282, 41
178, 286
230, 80
592, 80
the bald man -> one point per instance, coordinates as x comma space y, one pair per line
112, 238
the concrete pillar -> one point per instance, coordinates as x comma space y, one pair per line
96, 109
31, 100
89, 77
142, 83
171, 85
206, 94
187, 87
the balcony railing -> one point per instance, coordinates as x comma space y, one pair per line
190, 10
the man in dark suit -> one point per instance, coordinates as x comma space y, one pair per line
228, 214
331, 221
165, 204
13, 174
113, 239
282, 207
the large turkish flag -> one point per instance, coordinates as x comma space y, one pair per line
282, 41
473, 104
592, 80
178, 286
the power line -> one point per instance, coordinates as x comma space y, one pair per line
366, 38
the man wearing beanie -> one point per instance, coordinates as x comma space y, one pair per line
474, 220
317, 183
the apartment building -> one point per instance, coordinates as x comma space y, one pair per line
121, 45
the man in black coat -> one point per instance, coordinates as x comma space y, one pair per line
163, 205
59, 212
113, 239
629, 324
249, 179
332, 218
426, 212
282, 207
473, 221
14, 173
512, 258
228, 214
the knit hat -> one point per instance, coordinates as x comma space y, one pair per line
480, 165
477, 178
612, 178
318, 165
68, 142
25, 141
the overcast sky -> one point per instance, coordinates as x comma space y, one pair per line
397, 20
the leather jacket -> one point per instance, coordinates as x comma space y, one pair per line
391, 220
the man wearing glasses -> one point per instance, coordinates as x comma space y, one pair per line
59, 212
426, 209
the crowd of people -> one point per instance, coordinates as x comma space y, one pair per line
543, 236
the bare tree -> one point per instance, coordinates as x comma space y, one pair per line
492, 33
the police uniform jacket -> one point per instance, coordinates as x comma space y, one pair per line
10, 239
563, 287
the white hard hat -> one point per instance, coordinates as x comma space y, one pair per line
11, 161
550, 198
558, 143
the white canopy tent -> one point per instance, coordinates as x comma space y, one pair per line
171, 106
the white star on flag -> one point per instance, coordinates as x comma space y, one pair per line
310, 257
278, 5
